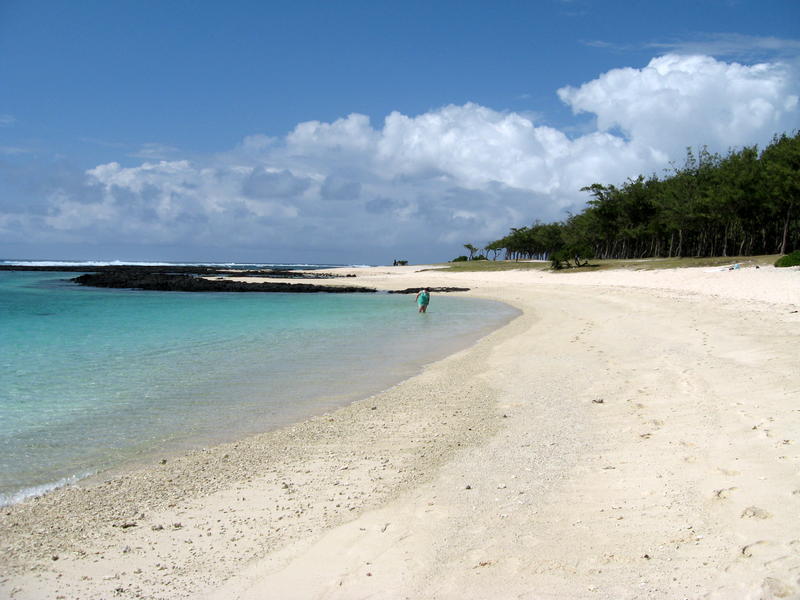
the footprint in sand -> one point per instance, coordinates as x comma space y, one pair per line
754, 512
775, 588
728, 472
724, 493
750, 549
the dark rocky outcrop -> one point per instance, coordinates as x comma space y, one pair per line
172, 282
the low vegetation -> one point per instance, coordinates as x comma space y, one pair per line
643, 264
790, 260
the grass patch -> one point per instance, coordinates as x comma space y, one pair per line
648, 264
643, 264
790, 260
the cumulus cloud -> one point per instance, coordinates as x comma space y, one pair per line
677, 101
353, 134
262, 183
336, 187
420, 186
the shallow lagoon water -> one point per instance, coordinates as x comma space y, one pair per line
92, 379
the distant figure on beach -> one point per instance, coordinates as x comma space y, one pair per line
423, 299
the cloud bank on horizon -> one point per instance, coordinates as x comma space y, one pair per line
415, 187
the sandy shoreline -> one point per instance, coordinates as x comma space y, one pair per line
630, 435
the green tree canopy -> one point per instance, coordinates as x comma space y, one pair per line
741, 204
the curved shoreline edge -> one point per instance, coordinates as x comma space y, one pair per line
625, 433
146, 460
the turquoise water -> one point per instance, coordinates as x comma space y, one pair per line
92, 379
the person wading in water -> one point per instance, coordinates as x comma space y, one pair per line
423, 299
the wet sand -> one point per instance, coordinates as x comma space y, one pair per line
630, 435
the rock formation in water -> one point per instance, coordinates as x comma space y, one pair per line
172, 282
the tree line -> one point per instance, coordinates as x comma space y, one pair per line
742, 204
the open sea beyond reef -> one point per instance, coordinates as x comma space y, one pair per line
94, 379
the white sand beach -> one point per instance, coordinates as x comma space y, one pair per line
632, 434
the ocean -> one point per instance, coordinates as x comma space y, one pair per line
94, 379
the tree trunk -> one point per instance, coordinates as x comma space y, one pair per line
725, 242
786, 229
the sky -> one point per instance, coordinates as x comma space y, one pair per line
358, 132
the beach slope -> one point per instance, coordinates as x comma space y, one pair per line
630, 435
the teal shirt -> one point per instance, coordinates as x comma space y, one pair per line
423, 299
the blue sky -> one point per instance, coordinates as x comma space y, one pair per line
360, 131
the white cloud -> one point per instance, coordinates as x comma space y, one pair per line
351, 134
420, 186
7, 120
336, 187
264, 183
678, 101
